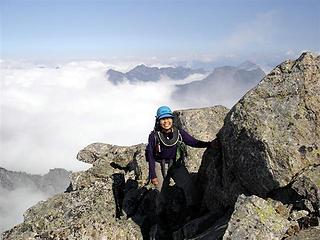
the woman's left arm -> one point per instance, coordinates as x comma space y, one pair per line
191, 141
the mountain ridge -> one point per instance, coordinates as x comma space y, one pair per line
234, 81
144, 73
56, 180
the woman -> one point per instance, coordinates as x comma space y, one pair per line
165, 154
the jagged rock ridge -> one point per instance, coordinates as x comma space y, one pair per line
55, 181
203, 124
146, 74
245, 194
20, 190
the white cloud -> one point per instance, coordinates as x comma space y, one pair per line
48, 114
14, 203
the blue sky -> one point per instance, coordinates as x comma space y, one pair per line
92, 29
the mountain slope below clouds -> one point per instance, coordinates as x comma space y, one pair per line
153, 74
20, 190
55, 181
225, 85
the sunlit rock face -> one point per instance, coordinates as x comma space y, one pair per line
203, 124
269, 137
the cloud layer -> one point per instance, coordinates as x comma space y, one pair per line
14, 203
49, 113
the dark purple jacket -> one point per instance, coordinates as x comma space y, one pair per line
169, 152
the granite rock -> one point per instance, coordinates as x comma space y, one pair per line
255, 218
203, 124
269, 137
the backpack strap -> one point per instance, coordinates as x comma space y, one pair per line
157, 146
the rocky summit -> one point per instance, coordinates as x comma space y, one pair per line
260, 180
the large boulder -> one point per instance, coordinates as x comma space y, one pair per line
303, 193
256, 218
85, 214
203, 124
108, 159
270, 136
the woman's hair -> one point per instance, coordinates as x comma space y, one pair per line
157, 125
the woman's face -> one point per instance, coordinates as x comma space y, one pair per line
166, 123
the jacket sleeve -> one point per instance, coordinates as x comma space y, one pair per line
150, 157
191, 141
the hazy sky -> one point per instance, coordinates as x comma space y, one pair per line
73, 29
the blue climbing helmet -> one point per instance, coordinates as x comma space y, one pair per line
164, 112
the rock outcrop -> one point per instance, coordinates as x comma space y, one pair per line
203, 124
269, 137
256, 218
88, 209
261, 182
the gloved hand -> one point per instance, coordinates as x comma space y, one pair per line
215, 143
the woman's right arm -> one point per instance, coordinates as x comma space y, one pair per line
150, 157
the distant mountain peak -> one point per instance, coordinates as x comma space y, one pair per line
248, 65
141, 66
145, 73
56, 180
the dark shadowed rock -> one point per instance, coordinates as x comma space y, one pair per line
303, 193
307, 186
207, 227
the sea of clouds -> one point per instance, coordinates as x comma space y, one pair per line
49, 113
14, 203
